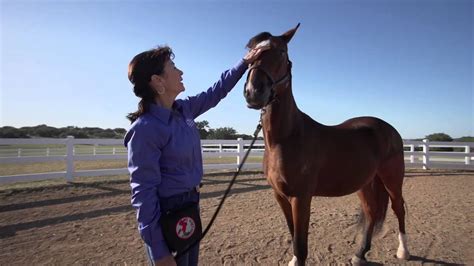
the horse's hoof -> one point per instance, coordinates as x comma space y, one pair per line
403, 254
293, 261
356, 261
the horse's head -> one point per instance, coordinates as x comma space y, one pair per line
271, 72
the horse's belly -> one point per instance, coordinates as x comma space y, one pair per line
343, 181
334, 190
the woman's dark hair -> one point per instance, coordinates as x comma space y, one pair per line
140, 70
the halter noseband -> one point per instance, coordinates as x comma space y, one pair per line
274, 84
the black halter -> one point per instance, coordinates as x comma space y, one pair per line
286, 78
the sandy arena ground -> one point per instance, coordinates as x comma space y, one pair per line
93, 223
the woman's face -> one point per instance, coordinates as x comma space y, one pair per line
172, 78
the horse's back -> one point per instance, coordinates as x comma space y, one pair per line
387, 137
373, 134
352, 152
321, 158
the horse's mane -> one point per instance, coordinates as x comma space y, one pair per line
258, 38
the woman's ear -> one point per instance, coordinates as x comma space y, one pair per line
157, 83
156, 78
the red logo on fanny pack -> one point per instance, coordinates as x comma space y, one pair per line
185, 227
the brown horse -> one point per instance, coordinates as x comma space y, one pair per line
304, 158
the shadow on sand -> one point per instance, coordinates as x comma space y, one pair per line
11, 229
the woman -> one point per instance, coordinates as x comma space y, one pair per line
164, 148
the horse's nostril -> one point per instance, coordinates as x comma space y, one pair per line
259, 86
246, 91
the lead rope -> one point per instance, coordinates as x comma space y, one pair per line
255, 134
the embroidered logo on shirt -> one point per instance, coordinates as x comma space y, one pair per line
185, 227
190, 122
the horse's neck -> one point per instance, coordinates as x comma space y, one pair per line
281, 118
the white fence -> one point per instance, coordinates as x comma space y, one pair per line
418, 154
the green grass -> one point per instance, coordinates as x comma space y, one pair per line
31, 168
55, 150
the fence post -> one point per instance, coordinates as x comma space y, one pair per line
19, 152
69, 158
467, 151
113, 150
426, 154
240, 151
95, 150
412, 156
47, 151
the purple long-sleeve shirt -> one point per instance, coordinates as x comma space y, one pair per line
164, 155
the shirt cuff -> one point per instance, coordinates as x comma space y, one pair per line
241, 66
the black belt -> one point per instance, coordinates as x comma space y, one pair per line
180, 199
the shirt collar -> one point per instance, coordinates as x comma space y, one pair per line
162, 113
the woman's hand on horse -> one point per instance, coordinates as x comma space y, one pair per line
254, 53
165, 261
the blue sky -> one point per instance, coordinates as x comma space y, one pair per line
64, 63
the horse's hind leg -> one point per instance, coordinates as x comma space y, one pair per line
392, 177
369, 214
399, 210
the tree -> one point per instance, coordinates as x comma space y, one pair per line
76, 132
203, 127
222, 133
106, 135
120, 131
45, 131
439, 137
466, 139
11, 132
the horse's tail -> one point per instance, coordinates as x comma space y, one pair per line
381, 199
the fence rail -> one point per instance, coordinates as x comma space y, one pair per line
418, 154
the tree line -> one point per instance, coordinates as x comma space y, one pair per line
205, 131
45, 131
448, 138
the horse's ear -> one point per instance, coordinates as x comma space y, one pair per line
289, 34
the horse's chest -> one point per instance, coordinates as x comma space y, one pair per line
286, 164
285, 185
284, 179
286, 169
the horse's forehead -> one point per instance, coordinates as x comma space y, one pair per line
272, 43
262, 44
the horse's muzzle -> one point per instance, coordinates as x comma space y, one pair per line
254, 103
256, 99
254, 106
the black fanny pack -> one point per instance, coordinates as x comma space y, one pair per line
181, 227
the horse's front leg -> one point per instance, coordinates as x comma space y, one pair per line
286, 207
300, 207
